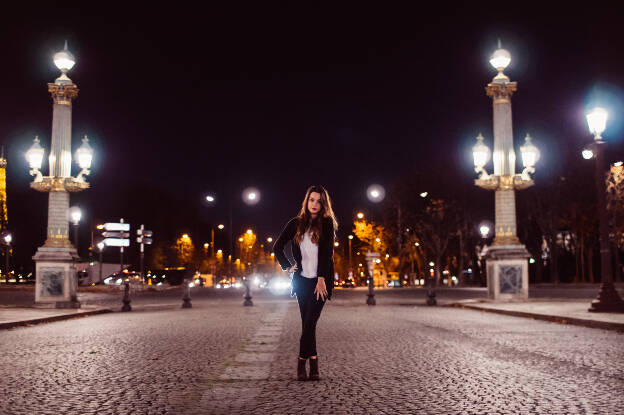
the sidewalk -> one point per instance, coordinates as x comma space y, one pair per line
11, 317
573, 311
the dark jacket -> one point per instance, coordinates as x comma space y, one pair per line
325, 253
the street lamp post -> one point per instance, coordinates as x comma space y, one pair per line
101, 246
75, 215
608, 300
250, 196
375, 193
56, 279
350, 239
7, 239
507, 265
484, 230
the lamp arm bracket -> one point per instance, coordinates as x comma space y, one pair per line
37, 174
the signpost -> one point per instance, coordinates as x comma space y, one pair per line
144, 237
117, 234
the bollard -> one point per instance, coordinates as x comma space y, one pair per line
371, 292
431, 294
187, 296
126, 298
247, 302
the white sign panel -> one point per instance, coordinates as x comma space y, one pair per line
117, 227
116, 242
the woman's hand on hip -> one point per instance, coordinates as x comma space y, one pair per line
321, 289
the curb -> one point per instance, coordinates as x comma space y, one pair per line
23, 323
553, 319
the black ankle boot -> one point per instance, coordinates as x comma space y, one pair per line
314, 371
301, 370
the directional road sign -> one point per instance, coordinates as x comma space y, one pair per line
119, 235
125, 227
116, 242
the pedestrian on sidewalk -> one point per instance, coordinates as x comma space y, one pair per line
312, 235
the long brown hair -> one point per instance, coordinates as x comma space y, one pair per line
315, 225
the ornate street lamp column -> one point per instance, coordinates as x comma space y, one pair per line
56, 279
507, 266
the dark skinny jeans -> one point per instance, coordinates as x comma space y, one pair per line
310, 309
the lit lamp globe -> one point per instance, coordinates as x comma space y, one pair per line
484, 230
480, 154
34, 155
375, 193
251, 196
75, 214
101, 246
8, 238
597, 122
64, 60
530, 154
84, 154
587, 154
500, 59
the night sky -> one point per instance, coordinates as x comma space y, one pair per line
181, 101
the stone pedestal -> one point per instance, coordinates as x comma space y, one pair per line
507, 268
56, 279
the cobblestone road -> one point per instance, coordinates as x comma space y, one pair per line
222, 358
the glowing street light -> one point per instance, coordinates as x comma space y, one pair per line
597, 122
269, 239
251, 196
57, 249
64, 60
484, 230
34, 156
608, 299
84, 155
587, 154
500, 59
505, 181
375, 193
210, 198
75, 214
220, 226
360, 215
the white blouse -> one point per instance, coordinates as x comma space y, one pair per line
309, 256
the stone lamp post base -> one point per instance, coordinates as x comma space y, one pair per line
56, 279
507, 268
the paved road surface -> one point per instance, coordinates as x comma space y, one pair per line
220, 358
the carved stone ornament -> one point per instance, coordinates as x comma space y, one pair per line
59, 184
501, 90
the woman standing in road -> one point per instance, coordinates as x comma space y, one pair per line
312, 235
